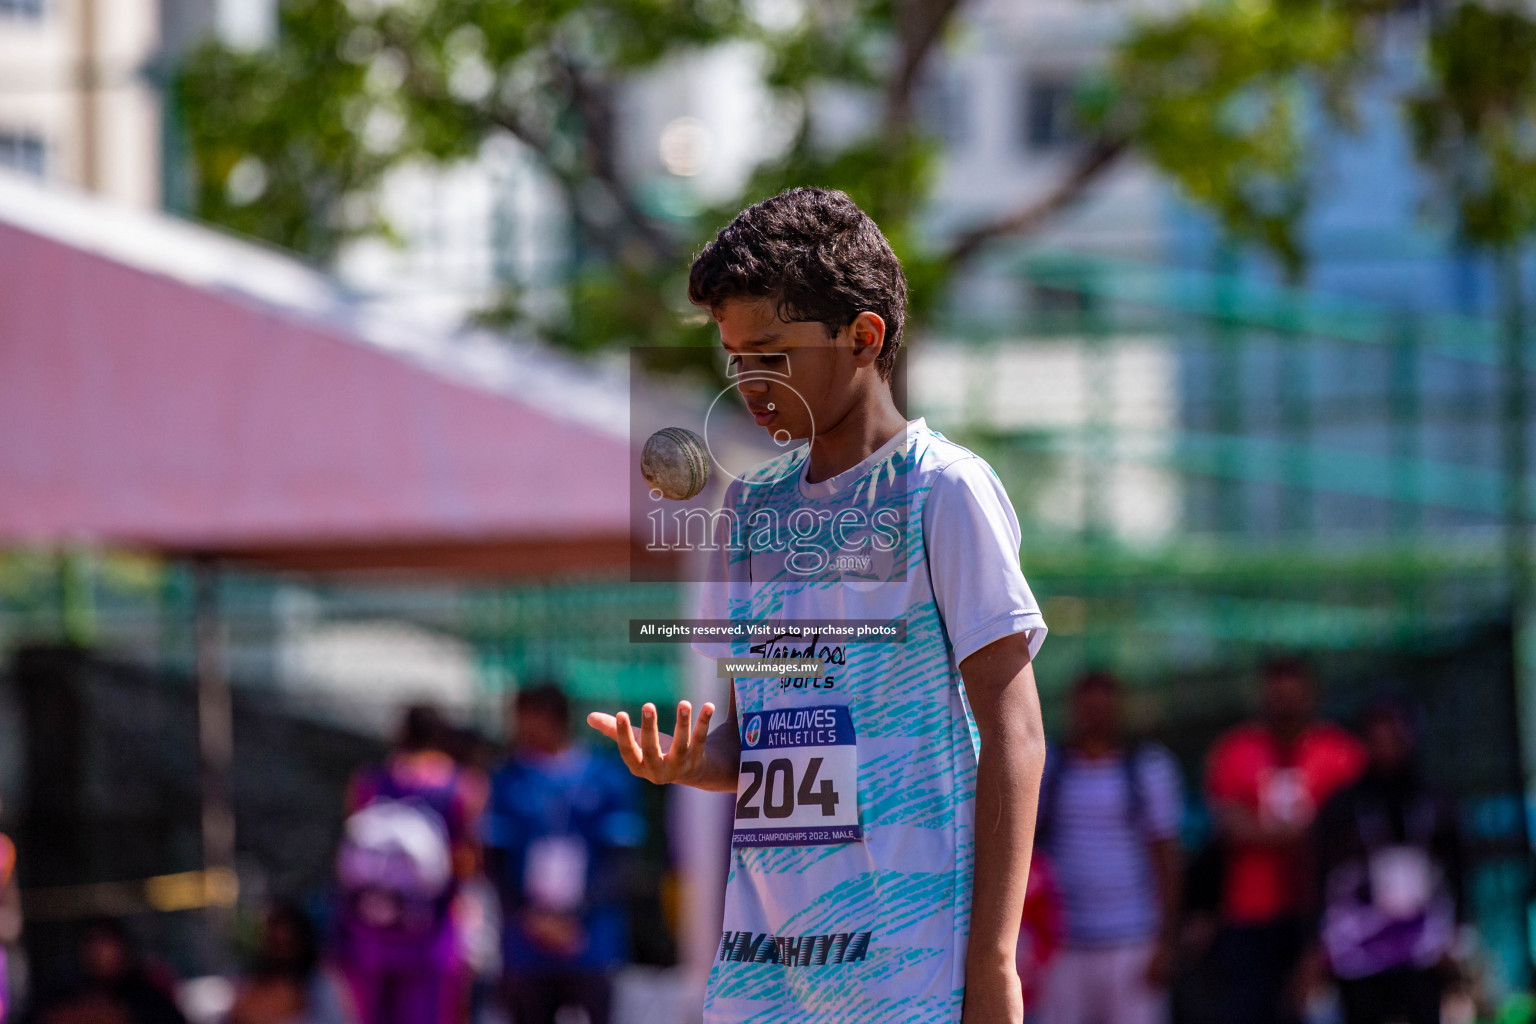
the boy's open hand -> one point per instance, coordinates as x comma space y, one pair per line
652, 754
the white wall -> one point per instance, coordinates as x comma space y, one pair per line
40, 94
465, 230
1065, 387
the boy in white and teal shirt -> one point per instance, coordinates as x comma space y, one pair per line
860, 887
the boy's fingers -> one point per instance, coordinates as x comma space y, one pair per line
650, 735
682, 733
699, 737
629, 750
605, 724
701, 728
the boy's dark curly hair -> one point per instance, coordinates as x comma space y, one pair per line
812, 253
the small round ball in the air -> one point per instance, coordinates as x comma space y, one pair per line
675, 462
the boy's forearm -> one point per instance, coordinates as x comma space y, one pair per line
1000, 683
1007, 792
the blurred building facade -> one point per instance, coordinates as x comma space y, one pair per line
82, 88
76, 102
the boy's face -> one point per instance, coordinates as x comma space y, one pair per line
794, 379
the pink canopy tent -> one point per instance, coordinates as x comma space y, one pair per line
164, 387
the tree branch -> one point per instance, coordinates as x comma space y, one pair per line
1095, 161
597, 120
568, 178
919, 24
507, 120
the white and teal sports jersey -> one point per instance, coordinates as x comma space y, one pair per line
848, 897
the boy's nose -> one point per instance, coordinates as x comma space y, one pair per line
753, 386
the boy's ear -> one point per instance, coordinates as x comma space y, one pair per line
867, 332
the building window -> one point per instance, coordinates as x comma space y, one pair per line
21, 8
22, 152
1062, 289
943, 109
1050, 111
1056, 300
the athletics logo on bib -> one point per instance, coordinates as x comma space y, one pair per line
799, 778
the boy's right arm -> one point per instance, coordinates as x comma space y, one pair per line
692, 756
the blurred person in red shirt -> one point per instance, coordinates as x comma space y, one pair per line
411, 840
1265, 781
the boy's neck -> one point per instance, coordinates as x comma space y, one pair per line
858, 435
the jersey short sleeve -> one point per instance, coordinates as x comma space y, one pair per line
1164, 793
973, 542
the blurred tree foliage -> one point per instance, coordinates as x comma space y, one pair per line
291, 142
1474, 128
1229, 98
1474, 122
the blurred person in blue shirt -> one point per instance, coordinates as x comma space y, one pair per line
560, 834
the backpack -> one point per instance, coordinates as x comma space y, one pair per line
395, 862
1392, 907
1050, 790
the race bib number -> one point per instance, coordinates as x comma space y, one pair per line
799, 782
